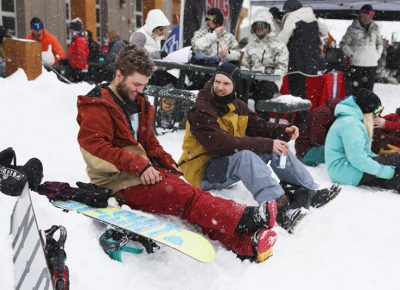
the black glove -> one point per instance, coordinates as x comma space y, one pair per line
163, 53
91, 194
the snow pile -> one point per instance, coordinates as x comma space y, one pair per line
352, 243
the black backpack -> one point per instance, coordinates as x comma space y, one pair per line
14, 177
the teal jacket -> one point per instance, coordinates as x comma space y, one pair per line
348, 152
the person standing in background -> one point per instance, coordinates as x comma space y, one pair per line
363, 46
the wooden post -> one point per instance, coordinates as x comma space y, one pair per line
85, 10
25, 54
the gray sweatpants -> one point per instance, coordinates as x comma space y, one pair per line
252, 170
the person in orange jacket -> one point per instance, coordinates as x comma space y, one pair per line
41, 35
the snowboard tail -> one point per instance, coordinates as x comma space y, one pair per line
185, 241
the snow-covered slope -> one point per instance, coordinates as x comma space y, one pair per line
352, 243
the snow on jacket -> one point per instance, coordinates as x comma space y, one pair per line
78, 51
215, 129
348, 152
209, 43
301, 33
266, 52
364, 46
46, 39
314, 129
144, 36
113, 156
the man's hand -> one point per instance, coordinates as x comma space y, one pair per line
293, 132
280, 147
150, 176
379, 122
223, 52
219, 30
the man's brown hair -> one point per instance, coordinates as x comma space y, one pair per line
134, 59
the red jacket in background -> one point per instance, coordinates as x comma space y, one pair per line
78, 52
388, 135
314, 129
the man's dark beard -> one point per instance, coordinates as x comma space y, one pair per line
121, 90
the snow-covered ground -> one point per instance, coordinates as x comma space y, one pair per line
352, 243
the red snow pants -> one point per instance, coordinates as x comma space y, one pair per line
217, 217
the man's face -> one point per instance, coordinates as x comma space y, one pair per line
158, 31
223, 86
128, 87
36, 33
211, 25
366, 18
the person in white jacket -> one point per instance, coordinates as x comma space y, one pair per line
363, 45
151, 35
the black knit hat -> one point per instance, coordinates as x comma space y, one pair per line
291, 5
367, 100
76, 24
231, 71
219, 17
366, 8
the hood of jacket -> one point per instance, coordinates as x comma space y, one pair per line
305, 14
348, 107
154, 19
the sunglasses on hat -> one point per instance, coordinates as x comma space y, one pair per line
211, 18
378, 111
371, 13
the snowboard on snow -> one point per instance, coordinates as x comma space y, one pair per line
187, 242
30, 266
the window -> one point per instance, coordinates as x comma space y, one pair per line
8, 16
67, 18
139, 14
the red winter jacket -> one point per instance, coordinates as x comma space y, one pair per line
78, 52
388, 135
314, 129
114, 158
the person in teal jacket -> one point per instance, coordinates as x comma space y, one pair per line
348, 155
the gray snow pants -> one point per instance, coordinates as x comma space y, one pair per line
251, 168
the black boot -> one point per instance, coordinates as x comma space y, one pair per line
255, 218
325, 195
289, 217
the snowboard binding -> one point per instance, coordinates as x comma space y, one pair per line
115, 241
56, 256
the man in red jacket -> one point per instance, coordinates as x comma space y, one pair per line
122, 153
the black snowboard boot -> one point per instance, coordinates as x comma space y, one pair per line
257, 217
325, 195
288, 217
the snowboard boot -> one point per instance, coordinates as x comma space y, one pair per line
289, 217
256, 217
325, 195
301, 198
263, 241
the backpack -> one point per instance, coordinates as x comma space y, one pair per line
13, 177
393, 57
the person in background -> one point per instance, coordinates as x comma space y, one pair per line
301, 32
214, 40
277, 19
118, 144
226, 143
95, 60
115, 46
43, 36
310, 146
151, 35
363, 45
78, 51
387, 133
266, 54
3, 34
348, 155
